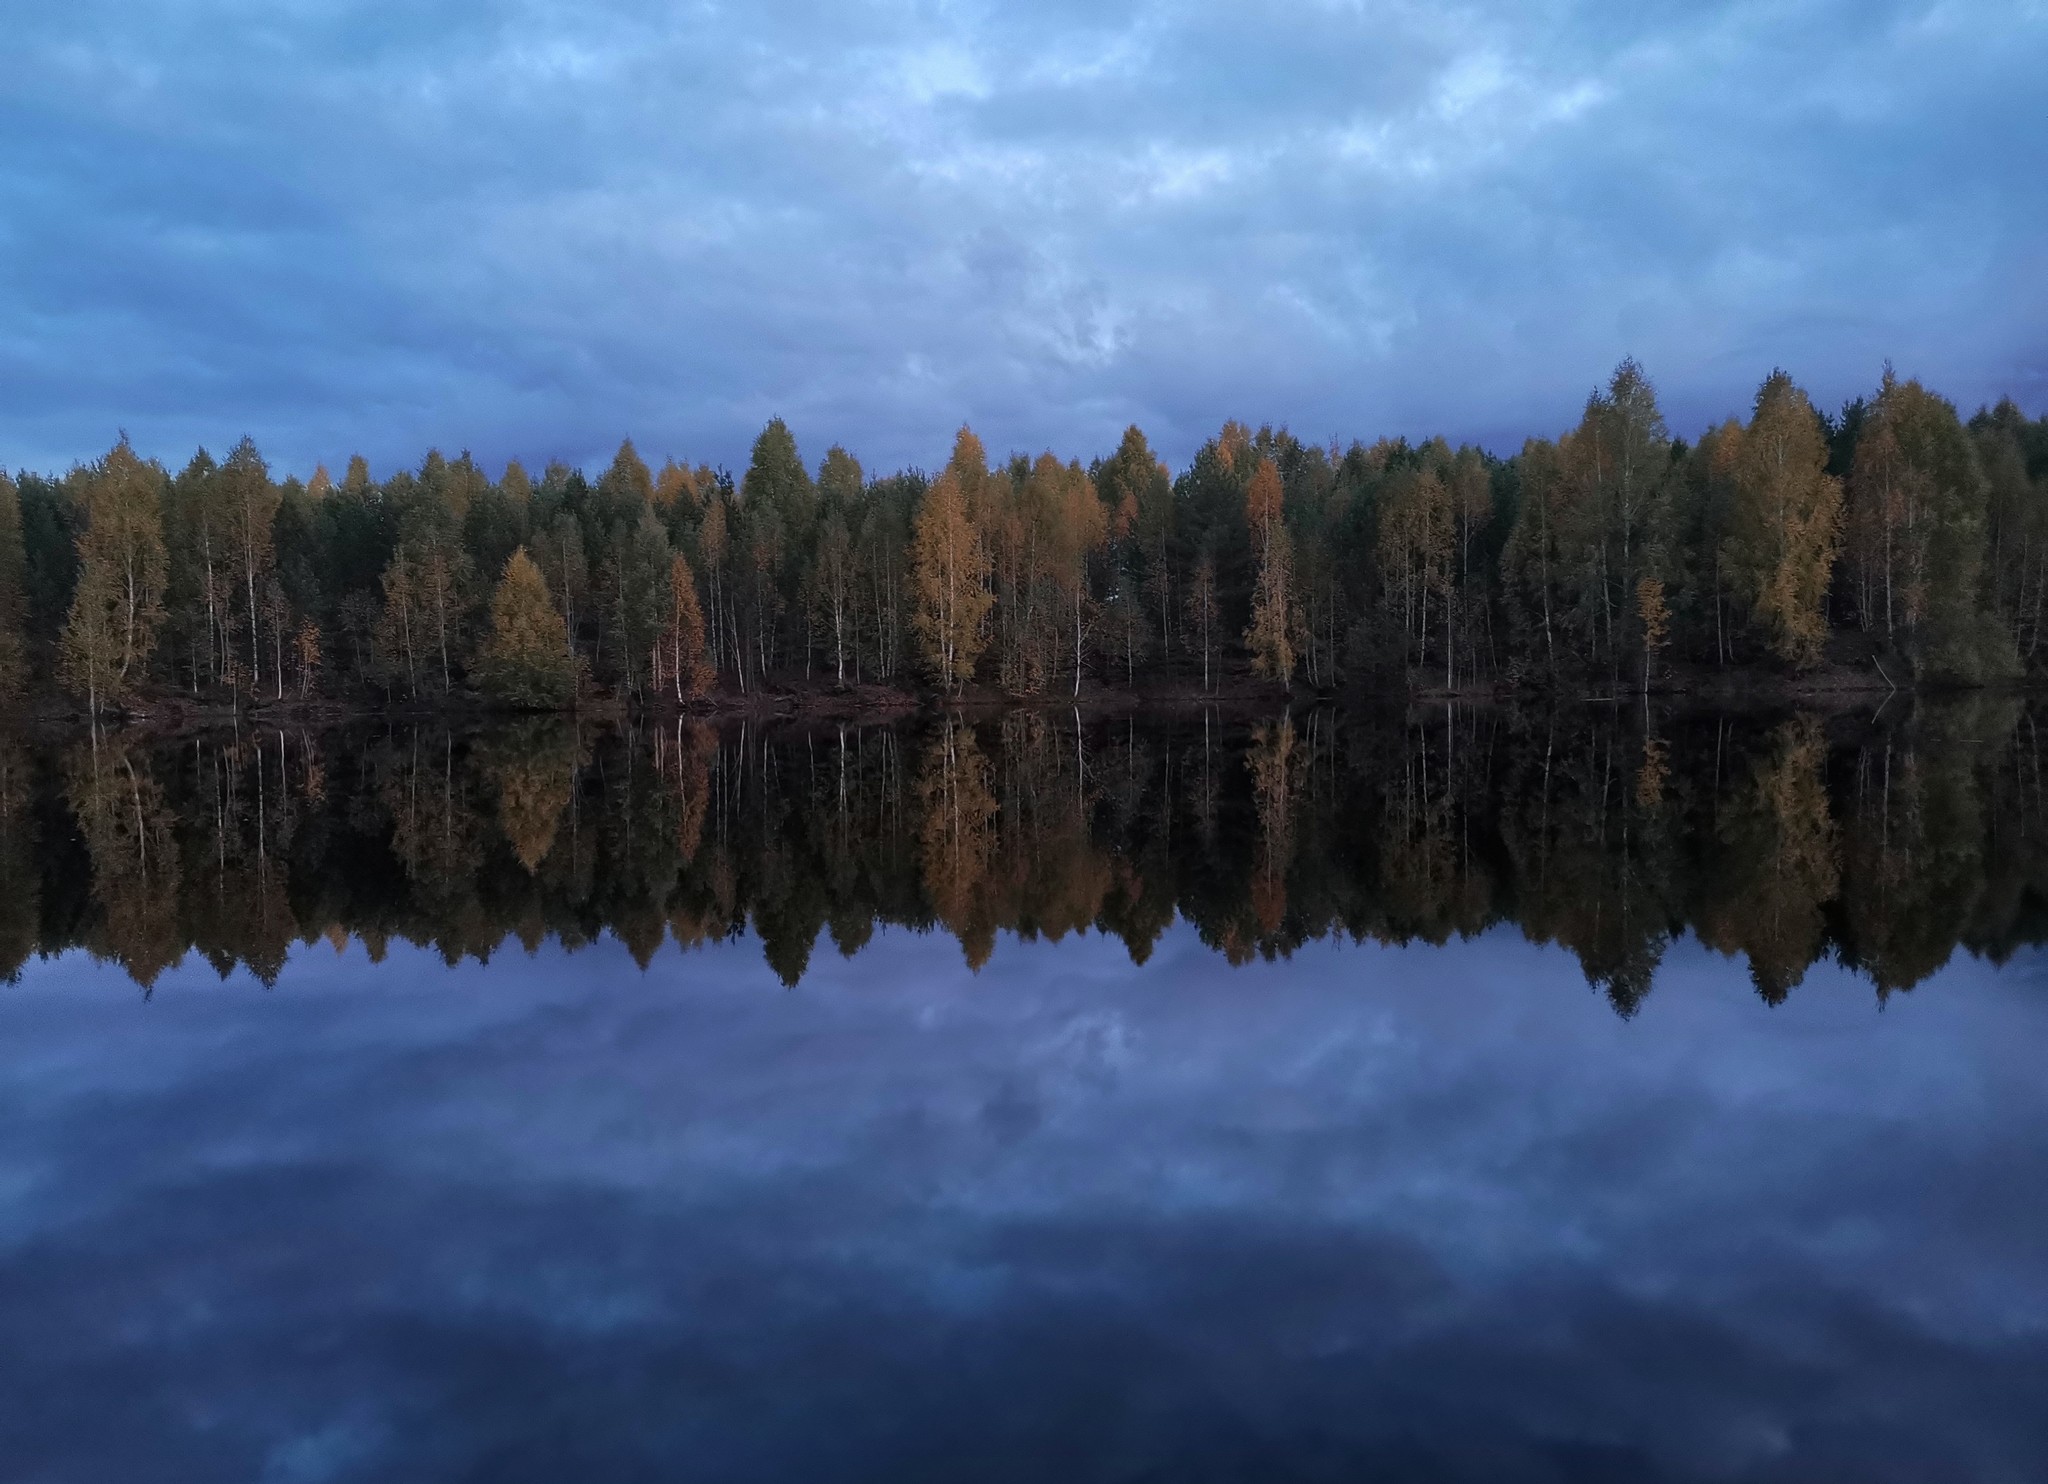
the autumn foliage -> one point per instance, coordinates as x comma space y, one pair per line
1891, 536
525, 661
949, 570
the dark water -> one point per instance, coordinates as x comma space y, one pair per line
1475, 1095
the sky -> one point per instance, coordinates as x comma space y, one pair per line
1366, 1212
532, 227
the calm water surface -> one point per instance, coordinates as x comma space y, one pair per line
1460, 1097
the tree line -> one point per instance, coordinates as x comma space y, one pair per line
1892, 534
1885, 842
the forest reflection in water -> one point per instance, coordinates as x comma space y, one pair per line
1887, 840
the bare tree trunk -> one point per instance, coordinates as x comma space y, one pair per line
1077, 638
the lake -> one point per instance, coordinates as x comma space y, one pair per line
1465, 1093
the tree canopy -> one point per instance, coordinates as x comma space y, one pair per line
1893, 536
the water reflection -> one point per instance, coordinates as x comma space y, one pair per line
1206, 1193
1886, 841
1360, 1214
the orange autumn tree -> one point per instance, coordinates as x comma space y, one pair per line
957, 835
1271, 634
679, 658
949, 583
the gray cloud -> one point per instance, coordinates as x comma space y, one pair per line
533, 228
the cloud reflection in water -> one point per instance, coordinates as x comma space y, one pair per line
1367, 1212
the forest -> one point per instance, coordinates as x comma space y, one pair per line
1892, 540
1884, 840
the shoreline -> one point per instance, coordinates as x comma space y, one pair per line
1238, 697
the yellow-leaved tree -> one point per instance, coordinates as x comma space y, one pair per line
118, 607
1271, 635
949, 580
525, 657
1785, 523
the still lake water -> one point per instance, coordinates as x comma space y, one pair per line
1466, 1096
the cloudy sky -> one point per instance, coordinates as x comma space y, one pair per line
531, 226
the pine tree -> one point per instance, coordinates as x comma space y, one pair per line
524, 660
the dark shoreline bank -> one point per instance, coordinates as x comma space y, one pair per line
1241, 697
